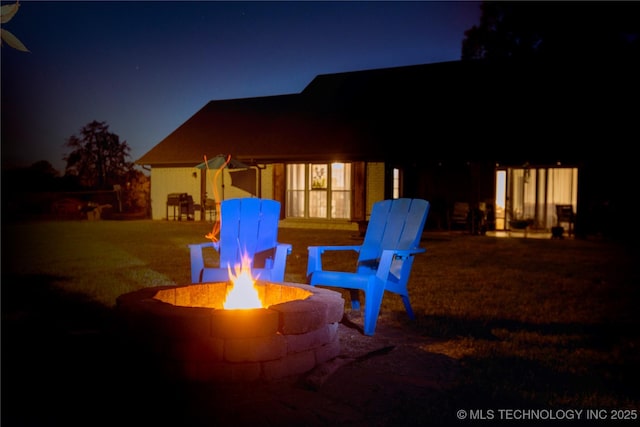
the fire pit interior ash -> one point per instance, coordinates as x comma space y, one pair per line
187, 333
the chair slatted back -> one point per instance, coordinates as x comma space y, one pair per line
394, 224
247, 226
564, 213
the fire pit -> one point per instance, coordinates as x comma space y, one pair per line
189, 335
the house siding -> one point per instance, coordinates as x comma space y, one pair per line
267, 181
165, 181
375, 184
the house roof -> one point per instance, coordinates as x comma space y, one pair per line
471, 109
264, 129
341, 116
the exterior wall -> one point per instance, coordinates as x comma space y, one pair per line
182, 180
375, 184
165, 181
229, 191
266, 183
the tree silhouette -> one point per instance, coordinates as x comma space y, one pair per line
554, 30
98, 157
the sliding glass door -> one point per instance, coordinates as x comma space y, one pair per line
532, 194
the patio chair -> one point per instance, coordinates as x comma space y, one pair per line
564, 214
460, 216
385, 257
248, 227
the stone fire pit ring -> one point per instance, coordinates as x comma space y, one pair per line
186, 334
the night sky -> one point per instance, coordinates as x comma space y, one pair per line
146, 67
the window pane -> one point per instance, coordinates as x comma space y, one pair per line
318, 182
341, 190
396, 183
529, 194
501, 199
340, 204
339, 177
318, 204
319, 177
295, 177
295, 190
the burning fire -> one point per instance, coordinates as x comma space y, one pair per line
243, 293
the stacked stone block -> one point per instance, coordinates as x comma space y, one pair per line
188, 335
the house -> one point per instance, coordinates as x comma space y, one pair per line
519, 137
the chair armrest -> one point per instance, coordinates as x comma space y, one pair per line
286, 247
215, 245
386, 260
314, 262
386, 266
197, 260
408, 252
280, 261
322, 249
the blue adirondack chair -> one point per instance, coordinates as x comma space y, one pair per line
385, 258
248, 227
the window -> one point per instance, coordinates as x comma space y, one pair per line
319, 190
532, 193
296, 191
396, 183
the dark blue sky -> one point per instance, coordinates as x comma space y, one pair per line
146, 67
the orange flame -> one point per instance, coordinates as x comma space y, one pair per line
243, 293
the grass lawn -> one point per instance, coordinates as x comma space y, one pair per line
535, 322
